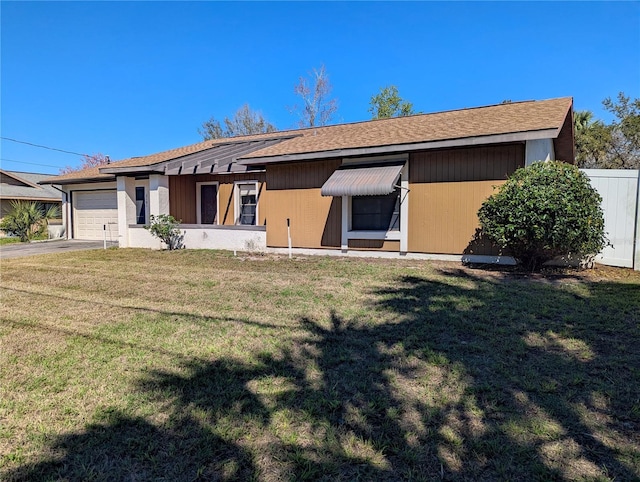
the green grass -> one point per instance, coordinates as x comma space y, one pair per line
13, 240
197, 365
9, 240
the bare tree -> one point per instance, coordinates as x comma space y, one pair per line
317, 107
245, 122
88, 161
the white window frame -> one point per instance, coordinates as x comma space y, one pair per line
236, 195
395, 235
199, 201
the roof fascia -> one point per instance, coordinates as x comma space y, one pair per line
419, 146
31, 198
79, 180
152, 169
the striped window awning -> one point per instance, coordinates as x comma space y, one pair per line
363, 181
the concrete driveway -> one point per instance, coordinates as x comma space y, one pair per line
46, 247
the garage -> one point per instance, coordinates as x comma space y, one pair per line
92, 210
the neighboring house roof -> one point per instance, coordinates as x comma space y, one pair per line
510, 122
24, 185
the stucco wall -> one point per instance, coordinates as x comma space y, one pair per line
231, 238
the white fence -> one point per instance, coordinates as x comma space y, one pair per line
620, 191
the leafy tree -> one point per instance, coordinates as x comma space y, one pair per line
582, 120
388, 103
609, 146
592, 138
546, 210
166, 228
88, 161
244, 122
27, 219
625, 131
317, 107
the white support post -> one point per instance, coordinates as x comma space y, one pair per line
289, 235
126, 208
65, 210
636, 255
158, 194
404, 209
346, 209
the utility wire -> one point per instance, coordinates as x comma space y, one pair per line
43, 147
25, 162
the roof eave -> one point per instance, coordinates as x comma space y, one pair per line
19, 179
30, 198
416, 146
152, 169
78, 180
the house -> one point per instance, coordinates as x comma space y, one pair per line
401, 186
24, 186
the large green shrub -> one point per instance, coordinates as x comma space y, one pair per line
165, 228
543, 211
27, 219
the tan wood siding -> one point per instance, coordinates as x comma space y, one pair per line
374, 245
315, 220
467, 164
443, 216
293, 191
182, 196
447, 189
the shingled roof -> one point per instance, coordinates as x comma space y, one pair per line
95, 174
497, 123
24, 185
531, 117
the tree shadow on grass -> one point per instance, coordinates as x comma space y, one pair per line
459, 377
121, 447
551, 372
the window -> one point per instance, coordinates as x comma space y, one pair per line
375, 199
247, 203
46, 206
141, 209
207, 200
376, 213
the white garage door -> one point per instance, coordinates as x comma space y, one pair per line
92, 211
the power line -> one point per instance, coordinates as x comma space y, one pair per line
30, 163
41, 146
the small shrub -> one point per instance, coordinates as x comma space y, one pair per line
27, 219
543, 211
165, 227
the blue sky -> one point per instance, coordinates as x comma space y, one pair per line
133, 78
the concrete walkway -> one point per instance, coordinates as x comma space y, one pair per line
18, 250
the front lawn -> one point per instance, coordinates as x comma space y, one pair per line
197, 365
8, 240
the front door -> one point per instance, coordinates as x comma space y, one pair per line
209, 203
